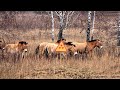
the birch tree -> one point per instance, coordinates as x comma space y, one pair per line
93, 25
51, 14
52, 17
64, 19
88, 29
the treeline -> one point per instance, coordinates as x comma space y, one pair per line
26, 20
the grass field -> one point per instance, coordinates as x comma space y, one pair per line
105, 63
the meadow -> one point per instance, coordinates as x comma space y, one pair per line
104, 64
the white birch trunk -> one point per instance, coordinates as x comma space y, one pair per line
52, 25
64, 18
92, 31
88, 30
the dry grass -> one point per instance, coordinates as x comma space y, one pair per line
105, 66
60, 69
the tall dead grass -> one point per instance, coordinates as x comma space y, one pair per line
105, 63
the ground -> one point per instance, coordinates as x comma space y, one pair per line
106, 66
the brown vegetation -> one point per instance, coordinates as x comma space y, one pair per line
104, 64
35, 27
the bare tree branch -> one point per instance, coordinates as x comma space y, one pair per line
58, 13
68, 18
64, 18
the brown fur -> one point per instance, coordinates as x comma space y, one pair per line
92, 44
20, 47
86, 47
50, 46
41, 48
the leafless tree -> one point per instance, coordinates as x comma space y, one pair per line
93, 25
52, 25
64, 18
89, 26
51, 14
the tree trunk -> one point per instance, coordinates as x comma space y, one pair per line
64, 18
52, 25
60, 34
88, 30
93, 26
